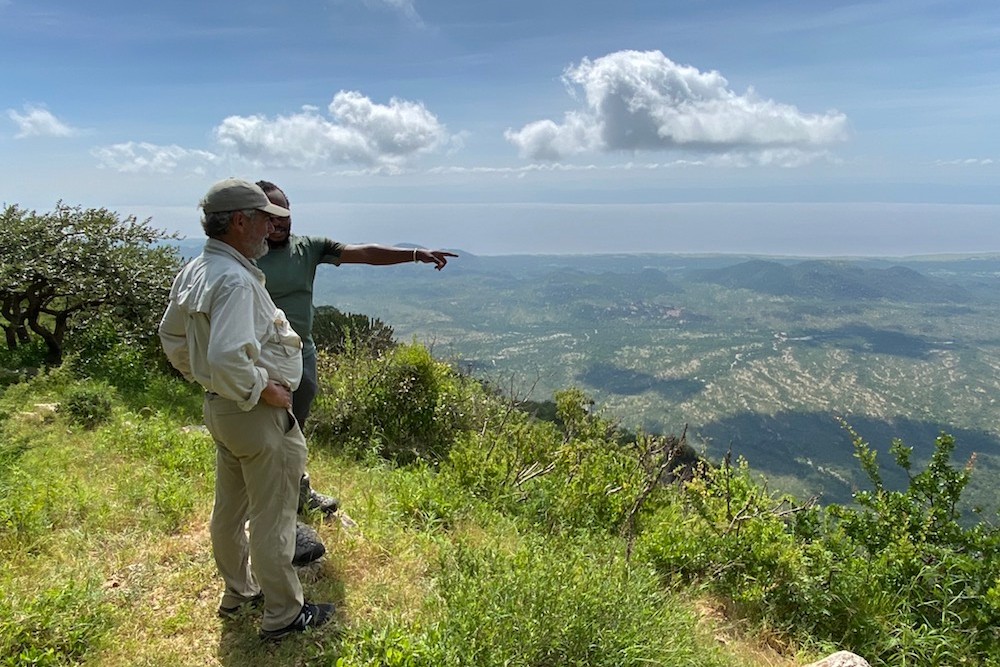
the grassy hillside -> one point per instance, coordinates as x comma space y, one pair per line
105, 557
472, 534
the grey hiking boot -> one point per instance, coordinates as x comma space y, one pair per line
311, 616
308, 546
310, 499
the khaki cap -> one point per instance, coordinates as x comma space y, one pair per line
234, 194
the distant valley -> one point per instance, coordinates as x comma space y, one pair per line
761, 355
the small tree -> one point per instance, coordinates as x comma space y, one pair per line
70, 265
335, 332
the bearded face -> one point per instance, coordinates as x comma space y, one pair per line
282, 230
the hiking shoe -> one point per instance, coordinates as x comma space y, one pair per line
309, 499
308, 546
249, 603
311, 616
325, 504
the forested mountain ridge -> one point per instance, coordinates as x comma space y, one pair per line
837, 281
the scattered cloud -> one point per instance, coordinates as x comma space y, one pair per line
357, 131
141, 157
405, 8
38, 121
642, 100
380, 139
967, 162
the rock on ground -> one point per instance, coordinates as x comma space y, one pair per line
841, 659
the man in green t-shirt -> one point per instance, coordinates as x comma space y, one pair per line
290, 267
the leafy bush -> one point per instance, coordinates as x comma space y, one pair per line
88, 405
896, 578
938, 577
337, 332
100, 351
569, 476
725, 529
404, 405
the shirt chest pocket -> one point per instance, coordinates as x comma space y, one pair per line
282, 336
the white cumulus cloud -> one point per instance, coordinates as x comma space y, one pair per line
39, 122
142, 157
355, 131
642, 100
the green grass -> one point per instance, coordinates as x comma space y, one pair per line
487, 538
105, 559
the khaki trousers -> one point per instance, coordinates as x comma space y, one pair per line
260, 458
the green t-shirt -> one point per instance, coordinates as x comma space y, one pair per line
290, 272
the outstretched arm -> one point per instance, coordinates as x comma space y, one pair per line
380, 255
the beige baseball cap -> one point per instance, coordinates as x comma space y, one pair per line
234, 194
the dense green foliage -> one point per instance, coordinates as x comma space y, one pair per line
402, 405
895, 577
336, 332
71, 265
538, 603
88, 405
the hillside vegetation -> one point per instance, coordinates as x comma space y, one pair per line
473, 533
760, 357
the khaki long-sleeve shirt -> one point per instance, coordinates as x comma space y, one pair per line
222, 330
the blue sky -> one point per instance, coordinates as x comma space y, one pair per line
765, 127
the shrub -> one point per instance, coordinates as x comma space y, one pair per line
88, 405
496, 462
896, 578
571, 476
336, 332
725, 530
404, 405
938, 578
99, 350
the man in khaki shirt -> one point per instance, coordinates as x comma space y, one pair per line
222, 330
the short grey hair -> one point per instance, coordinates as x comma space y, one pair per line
217, 224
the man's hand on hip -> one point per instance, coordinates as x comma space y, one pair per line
277, 394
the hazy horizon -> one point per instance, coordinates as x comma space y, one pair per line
826, 230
